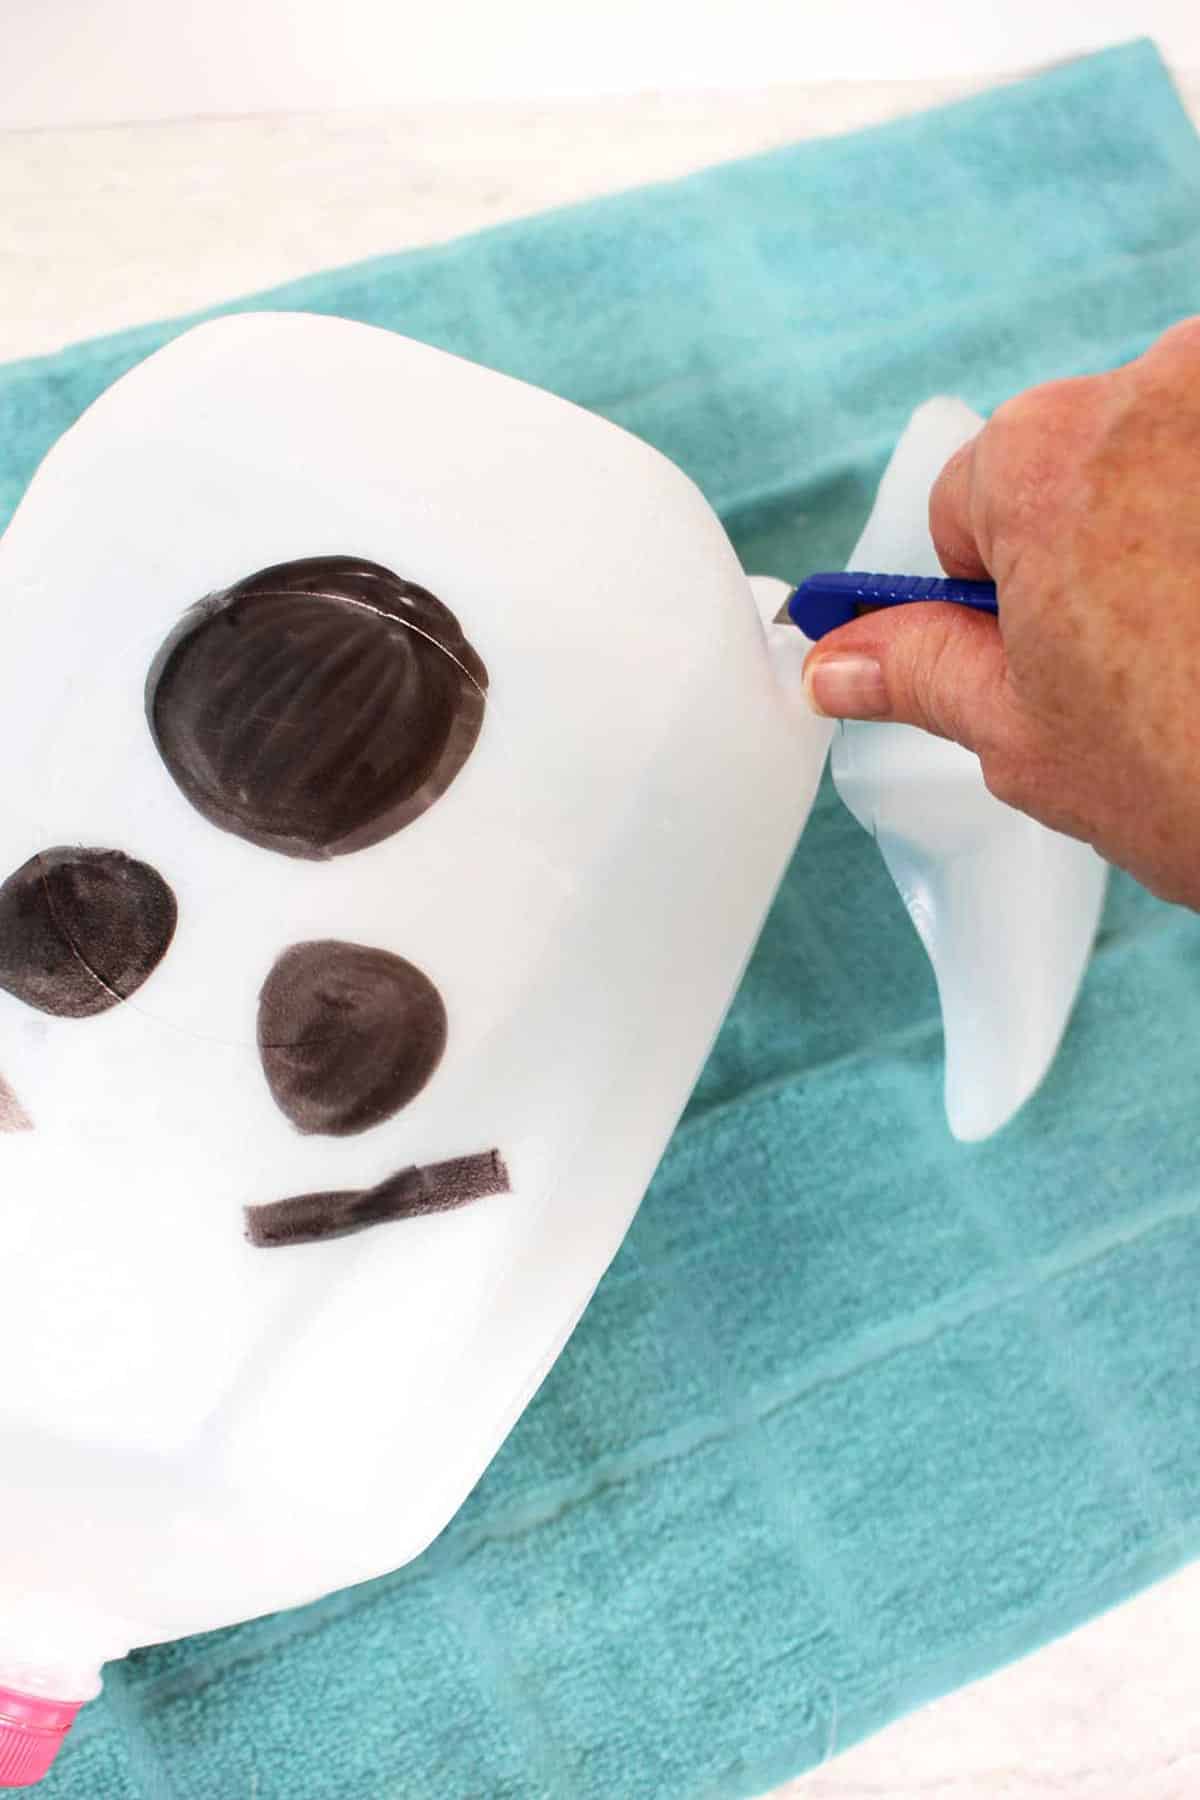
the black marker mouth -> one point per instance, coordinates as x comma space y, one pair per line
410, 1194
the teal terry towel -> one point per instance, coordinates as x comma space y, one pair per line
859, 1412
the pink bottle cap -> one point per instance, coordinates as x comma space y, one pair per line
31, 1734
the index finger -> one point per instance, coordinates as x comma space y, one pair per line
950, 516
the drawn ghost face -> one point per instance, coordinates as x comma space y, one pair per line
379, 842
313, 709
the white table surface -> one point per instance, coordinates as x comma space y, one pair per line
108, 226
102, 62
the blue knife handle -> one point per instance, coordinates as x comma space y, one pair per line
824, 602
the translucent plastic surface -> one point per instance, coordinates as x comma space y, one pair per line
406, 768
264, 940
1006, 909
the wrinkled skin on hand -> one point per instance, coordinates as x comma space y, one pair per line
1081, 500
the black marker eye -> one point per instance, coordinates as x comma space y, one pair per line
81, 930
318, 706
348, 1035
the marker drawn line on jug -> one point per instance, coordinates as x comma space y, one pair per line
64, 931
391, 618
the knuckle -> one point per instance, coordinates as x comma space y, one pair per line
1013, 417
1048, 407
1039, 438
950, 522
1183, 337
1034, 428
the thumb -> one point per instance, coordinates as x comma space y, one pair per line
937, 666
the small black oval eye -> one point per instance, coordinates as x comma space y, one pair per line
81, 930
347, 1034
316, 707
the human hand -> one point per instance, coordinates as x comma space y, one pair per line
1081, 500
